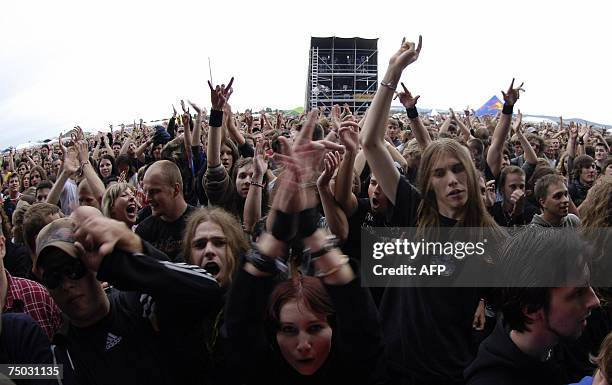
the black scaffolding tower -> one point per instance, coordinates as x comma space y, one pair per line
342, 70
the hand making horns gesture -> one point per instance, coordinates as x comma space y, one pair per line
513, 94
408, 53
219, 95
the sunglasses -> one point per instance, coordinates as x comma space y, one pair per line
74, 270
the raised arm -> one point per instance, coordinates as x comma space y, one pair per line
11, 160
583, 138
601, 140
197, 129
187, 137
395, 154
373, 134
530, 154
571, 141
218, 97
126, 145
418, 129
360, 162
495, 154
96, 152
445, 124
336, 219
95, 184
349, 137
31, 161
118, 255
232, 128
252, 205
462, 127
70, 166
143, 147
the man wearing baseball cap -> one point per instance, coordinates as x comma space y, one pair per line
120, 337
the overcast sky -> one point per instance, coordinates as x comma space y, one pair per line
68, 62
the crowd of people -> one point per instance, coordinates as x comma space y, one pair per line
225, 248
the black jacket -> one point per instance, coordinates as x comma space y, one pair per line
141, 340
22, 341
499, 361
578, 192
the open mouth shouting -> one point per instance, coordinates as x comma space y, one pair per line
131, 211
213, 268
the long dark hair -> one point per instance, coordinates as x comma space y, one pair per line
111, 159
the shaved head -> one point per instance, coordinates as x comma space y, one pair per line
168, 171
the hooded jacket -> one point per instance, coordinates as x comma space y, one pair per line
570, 220
499, 361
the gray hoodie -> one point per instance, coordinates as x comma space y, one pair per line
570, 220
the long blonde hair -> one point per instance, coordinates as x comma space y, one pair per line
475, 213
236, 240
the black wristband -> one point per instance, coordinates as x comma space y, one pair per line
412, 112
216, 118
508, 109
264, 263
283, 226
307, 222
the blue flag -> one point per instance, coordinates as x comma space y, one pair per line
491, 107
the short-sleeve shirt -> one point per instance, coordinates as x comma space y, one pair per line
165, 236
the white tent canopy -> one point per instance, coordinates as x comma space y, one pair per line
535, 119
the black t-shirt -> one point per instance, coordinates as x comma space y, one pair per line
578, 192
427, 330
165, 236
403, 214
488, 174
524, 218
137, 164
